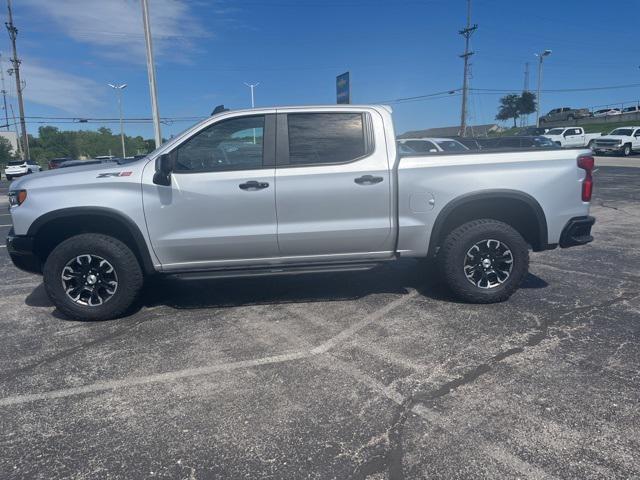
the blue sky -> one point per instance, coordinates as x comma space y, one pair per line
205, 50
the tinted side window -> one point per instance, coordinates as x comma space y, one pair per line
319, 138
234, 144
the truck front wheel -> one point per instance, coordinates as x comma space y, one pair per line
626, 150
484, 261
92, 277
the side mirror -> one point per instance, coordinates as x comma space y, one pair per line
164, 167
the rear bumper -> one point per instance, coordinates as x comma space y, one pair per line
577, 231
20, 249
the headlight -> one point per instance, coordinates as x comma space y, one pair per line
17, 197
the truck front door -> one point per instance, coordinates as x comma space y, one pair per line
333, 186
574, 137
220, 207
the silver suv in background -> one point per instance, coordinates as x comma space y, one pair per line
564, 114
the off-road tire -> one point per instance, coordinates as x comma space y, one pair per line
452, 254
123, 260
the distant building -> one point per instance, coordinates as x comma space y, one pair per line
13, 140
472, 131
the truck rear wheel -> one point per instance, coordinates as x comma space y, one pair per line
484, 261
92, 277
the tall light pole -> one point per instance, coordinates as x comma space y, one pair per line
151, 71
253, 103
252, 86
118, 89
540, 56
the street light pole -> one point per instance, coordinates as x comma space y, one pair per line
252, 86
540, 56
118, 89
253, 104
151, 71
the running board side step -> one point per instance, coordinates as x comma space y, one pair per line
269, 271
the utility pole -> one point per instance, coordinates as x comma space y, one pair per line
4, 95
466, 33
540, 56
13, 33
118, 89
525, 118
151, 71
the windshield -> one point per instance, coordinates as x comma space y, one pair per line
451, 146
625, 132
555, 131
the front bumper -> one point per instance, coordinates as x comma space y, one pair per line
577, 231
607, 148
20, 249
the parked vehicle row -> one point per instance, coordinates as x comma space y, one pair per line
426, 146
568, 114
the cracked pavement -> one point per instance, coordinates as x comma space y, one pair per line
378, 375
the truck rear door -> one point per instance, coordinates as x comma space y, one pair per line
333, 190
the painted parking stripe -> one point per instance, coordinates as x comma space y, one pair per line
199, 371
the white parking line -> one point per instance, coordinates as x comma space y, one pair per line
224, 367
7, 225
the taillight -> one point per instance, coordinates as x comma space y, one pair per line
587, 162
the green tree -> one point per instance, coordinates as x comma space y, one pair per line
527, 103
5, 151
509, 108
513, 106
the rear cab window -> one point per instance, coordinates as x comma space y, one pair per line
326, 138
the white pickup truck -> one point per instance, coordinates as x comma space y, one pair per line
294, 190
571, 137
624, 140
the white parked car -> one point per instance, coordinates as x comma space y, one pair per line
17, 168
634, 109
624, 140
433, 145
571, 137
607, 112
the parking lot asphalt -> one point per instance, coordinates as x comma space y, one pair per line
378, 375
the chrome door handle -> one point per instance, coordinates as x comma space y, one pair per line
253, 185
368, 180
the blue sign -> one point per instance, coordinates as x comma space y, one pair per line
343, 88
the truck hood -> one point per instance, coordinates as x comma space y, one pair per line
553, 137
75, 175
614, 137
